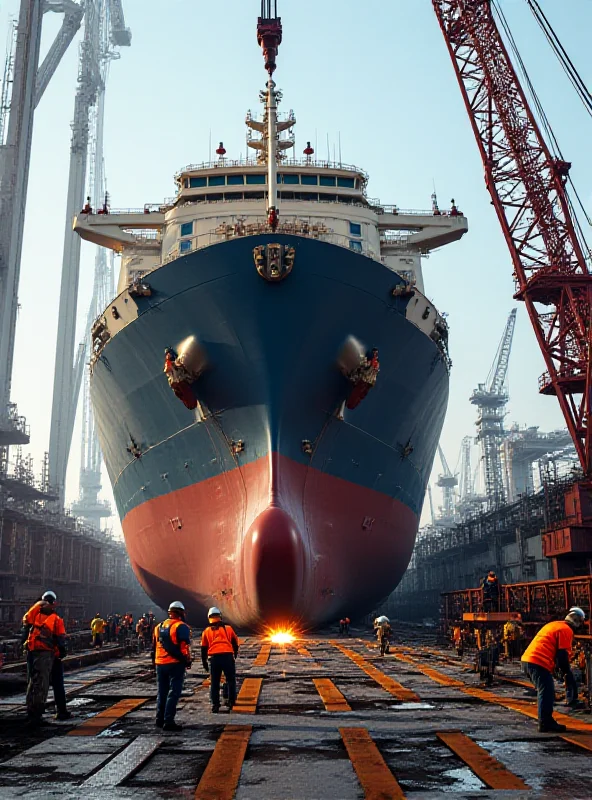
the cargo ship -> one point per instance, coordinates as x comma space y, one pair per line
270, 382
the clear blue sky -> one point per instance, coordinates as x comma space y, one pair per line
378, 74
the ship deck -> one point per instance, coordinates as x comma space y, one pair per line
325, 717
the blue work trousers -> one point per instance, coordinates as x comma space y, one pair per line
545, 686
222, 663
170, 685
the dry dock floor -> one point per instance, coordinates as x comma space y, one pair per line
321, 718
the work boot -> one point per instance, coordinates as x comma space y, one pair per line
63, 715
172, 726
215, 709
552, 727
159, 723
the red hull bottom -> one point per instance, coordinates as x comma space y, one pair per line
272, 543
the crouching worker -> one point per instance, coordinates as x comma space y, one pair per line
552, 646
171, 654
219, 648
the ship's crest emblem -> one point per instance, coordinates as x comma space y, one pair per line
274, 262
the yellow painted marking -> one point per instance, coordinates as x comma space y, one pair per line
330, 695
246, 702
581, 739
388, 684
262, 656
486, 767
222, 774
521, 706
376, 779
101, 721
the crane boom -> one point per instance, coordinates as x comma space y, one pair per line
499, 370
73, 14
527, 188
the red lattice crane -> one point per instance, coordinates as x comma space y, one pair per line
527, 187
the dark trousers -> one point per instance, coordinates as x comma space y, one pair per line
222, 663
545, 686
57, 684
571, 689
39, 664
170, 685
97, 639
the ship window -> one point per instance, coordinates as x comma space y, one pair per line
309, 180
186, 228
309, 196
355, 229
329, 198
254, 195
255, 179
346, 183
286, 195
327, 180
233, 196
235, 180
213, 198
355, 246
290, 179
216, 180
197, 183
185, 245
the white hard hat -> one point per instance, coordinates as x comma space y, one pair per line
51, 596
576, 612
382, 620
176, 605
214, 612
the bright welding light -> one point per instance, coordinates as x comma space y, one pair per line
282, 637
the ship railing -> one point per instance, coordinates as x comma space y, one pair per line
225, 163
296, 227
144, 234
413, 212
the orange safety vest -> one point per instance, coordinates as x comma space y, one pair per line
543, 649
219, 639
161, 656
45, 629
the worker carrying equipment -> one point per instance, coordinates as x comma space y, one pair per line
552, 647
363, 377
179, 378
171, 654
46, 635
219, 649
382, 626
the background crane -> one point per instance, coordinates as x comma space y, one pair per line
23, 86
100, 31
448, 483
491, 399
527, 184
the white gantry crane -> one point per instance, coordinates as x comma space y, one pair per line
104, 27
23, 86
448, 482
491, 399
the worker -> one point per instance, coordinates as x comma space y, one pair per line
347, 621
97, 627
57, 683
219, 649
490, 586
552, 647
342, 626
87, 209
45, 632
513, 633
143, 631
458, 640
171, 654
382, 626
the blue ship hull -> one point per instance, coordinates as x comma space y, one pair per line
271, 533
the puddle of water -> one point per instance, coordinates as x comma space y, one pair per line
464, 780
111, 733
412, 706
80, 701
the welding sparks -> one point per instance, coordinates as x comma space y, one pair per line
282, 637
